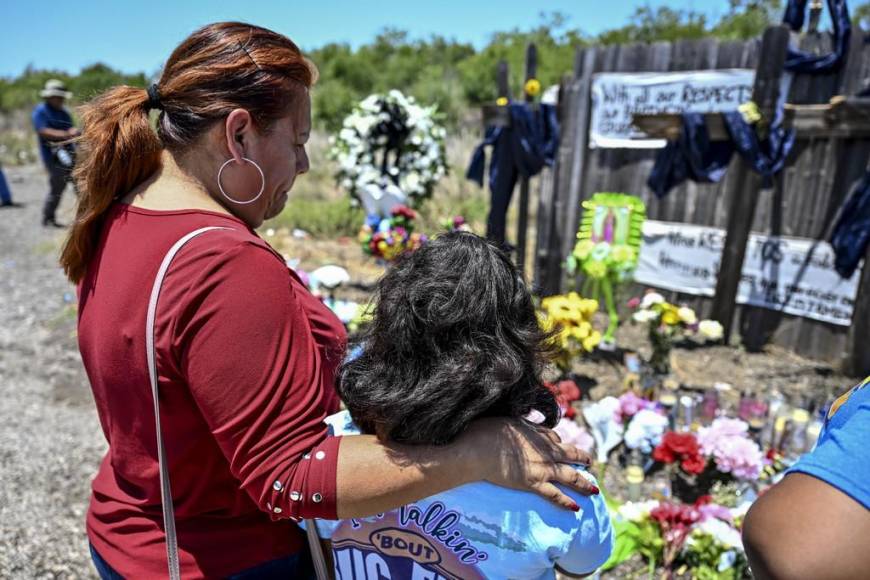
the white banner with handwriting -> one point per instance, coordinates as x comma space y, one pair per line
617, 96
792, 275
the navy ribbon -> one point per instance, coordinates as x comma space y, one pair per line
522, 149
693, 156
851, 233
802, 62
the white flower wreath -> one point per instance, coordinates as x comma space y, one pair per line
388, 142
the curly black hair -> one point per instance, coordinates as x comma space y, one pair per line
455, 337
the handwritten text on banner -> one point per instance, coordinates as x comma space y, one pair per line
617, 96
792, 275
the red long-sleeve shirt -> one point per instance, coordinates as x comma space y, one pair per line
246, 358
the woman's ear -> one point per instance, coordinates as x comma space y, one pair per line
238, 128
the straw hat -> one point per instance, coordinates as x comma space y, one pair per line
55, 88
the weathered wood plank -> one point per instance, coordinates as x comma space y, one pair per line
765, 93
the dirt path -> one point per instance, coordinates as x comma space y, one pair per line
50, 439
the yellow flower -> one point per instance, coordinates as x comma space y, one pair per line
750, 112
623, 253
687, 315
591, 341
501, 101
533, 87
670, 315
596, 269
583, 249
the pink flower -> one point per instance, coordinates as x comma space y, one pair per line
716, 511
634, 302
630, 404
726, 440
574, 434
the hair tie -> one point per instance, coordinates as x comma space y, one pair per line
154, 98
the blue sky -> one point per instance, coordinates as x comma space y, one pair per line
137, 36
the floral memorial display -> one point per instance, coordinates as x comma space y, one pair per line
387, 238
608, 245
390, 151
667, 323
570, 317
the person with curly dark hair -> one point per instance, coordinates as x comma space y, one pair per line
455, 338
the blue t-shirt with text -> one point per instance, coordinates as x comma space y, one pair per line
478, 530
842, 455
47, 117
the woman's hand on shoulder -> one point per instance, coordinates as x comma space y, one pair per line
517, 454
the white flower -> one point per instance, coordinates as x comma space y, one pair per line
636, 510
650, 299
645, 430
644, 316
329, 276
410, 181
722, 532
711, 330
344, 310
606, 430
687, 315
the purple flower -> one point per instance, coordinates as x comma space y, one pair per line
630, 404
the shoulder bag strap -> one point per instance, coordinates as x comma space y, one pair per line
165, 490
317, 556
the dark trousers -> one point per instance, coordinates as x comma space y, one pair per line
58, 177
298, 566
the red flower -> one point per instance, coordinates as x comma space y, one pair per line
404, 211
568, 390
663, 454
681, 443
694, 464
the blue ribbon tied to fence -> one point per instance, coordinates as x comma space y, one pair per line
521, 149
802, 62
694, 156
851, 234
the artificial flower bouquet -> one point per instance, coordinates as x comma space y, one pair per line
455, 224
722, 452
388, 238
667, 323
569, 316
701, 539
390, 139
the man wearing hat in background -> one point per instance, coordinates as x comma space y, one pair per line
54, 125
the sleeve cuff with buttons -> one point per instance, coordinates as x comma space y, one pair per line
310, 492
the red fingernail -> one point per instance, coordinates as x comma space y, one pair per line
574, 507
595, 490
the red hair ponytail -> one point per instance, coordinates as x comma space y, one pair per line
218, 68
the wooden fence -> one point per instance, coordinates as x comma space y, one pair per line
803, 202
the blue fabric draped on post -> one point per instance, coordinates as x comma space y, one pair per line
693, 156
852, 231
802, 62
522, 149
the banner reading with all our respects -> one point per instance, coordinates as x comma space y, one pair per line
617, 96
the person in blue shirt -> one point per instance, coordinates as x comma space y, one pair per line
454, 339
54, 127
815, 523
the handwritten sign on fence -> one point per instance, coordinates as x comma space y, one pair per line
617, 96
791, 275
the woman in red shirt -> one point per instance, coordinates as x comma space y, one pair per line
245, 355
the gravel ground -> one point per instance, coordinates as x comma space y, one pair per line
50, 439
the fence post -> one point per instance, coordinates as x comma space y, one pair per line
765, 93
523, 224
548, 245
574, 177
